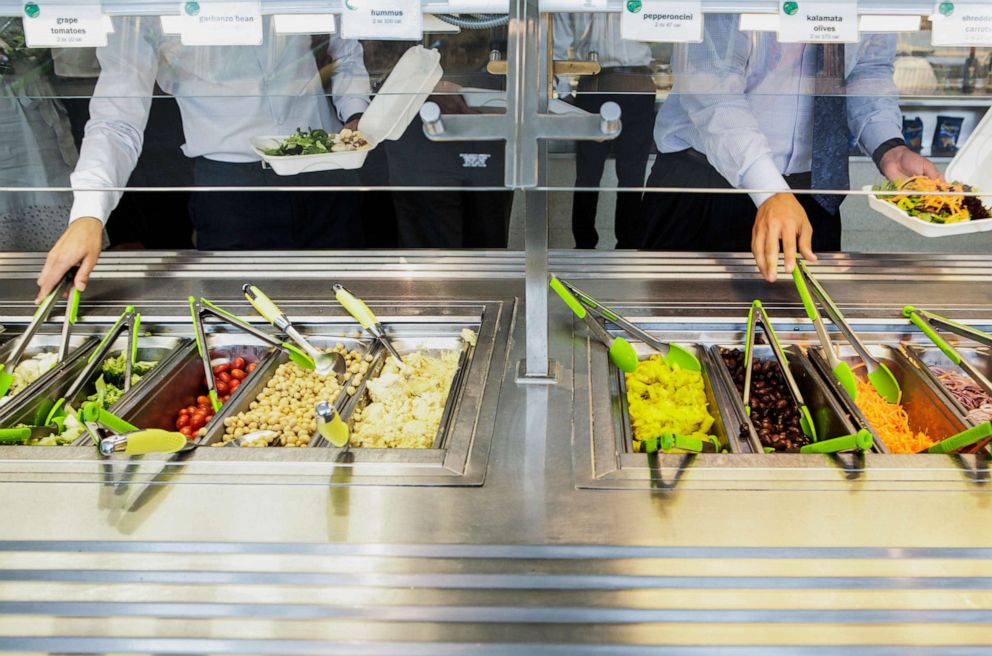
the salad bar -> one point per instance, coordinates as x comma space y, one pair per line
407, 489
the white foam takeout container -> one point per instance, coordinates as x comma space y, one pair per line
388, 116
971, 165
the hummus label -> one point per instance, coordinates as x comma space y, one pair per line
399, 20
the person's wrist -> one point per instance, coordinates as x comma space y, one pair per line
354, 117
886, 151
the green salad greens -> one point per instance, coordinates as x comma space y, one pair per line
318, 142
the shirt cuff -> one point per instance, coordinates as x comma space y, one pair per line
92, 204
875, 133
564, 86
348, 107
764, 175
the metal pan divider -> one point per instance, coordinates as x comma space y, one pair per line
733, 399
454, 395
346, 404
920, 356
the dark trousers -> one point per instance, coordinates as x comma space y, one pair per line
713, 222
271, 220
630, 151
448, 219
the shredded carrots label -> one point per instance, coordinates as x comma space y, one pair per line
890, 421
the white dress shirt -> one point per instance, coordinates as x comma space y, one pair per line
746, 101
226, 95
587, 33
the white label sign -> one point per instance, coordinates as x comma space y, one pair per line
382, 19
574, 5
209, 23
670, 21
962, 24
65, 26
806, 21
305, 23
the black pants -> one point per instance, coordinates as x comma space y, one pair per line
630, 151
448, 219
269, 220
713, 222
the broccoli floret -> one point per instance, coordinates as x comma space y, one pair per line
114, 367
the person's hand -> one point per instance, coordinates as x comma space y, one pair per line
452, 101
80, 246
352, 125
781, 219
901, 163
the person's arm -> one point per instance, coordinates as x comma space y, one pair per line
111, 145
874, 115
710, 79
563, 38
350, 87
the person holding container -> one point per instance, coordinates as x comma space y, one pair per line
749, 112
226, 95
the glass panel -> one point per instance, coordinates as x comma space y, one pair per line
711, 131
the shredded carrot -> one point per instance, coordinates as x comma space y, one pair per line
890, 421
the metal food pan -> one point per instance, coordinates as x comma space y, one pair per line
177, 386
253, 385
926, 358
829, 417
35, 410
922, 398
79, 345
432, 346
727, 427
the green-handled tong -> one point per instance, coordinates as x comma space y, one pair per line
670, 442
128, 438
129, 320
975, 437
361, 312
925, 322
199, 308
40, 316
755, 316
325, 364
671, 353
878, 374
621, 352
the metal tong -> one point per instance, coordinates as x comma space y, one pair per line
357, 308
755, 316
880, 377
929, 323
199, 308
324, 363
40, 316
129, 320
621, 353
671, 353
130, 440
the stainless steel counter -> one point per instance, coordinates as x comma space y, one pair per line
542, 553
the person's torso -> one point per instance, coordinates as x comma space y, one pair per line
228, 94
779, 86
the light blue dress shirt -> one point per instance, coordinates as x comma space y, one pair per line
226, 95
746, 101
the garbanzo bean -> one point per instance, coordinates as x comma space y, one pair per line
286, 404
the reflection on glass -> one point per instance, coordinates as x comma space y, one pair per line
626, 79
748, 112
36, 143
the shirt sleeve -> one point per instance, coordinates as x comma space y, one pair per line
873, 112
114, 134
563, 37
350, 87
710, 79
